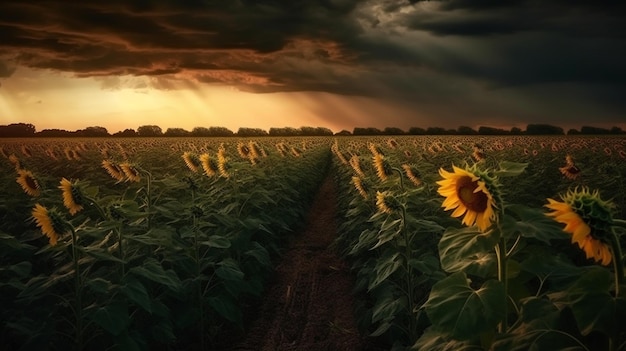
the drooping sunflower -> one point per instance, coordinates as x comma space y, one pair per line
413, 174
386, 202
131, 172
15, 161
382, 166
221, 161
361, 186
27, 181
467, 192
51, 223
73, 198
356, 165
191, 160
208, 165
588, 219
114, 170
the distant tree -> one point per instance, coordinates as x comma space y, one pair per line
201, 132
543, 129
515, 131
416, 131
573, 132
366, 131
251, 132
55, 133
483, 130
435, 131
343, 132
322, 131
616, 130
176, 132
94, 132
465, 130
393, 131
593, 130
220, 132
307, 131
149, 131
127, 133
17, 130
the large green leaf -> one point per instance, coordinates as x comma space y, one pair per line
152, 270
591, 302
435, 340
510, 169
226, 307
453, 306
531, 223
113, 318
228, 269
385, 266
468, 249
136, 292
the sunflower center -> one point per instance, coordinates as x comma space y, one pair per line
31, 182
474, 201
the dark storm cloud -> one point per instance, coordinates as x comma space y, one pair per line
415, 52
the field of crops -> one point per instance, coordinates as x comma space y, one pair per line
456, 243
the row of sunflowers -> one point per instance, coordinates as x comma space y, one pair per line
144, 244
456, 247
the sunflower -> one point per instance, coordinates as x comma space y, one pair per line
356, 165
15, 161
27, 181
361, 186
114, 170
386, 203
208, 164
131, 172
221, 161
191, 161
243, 150
467, 192
73, 198
51, 223
588, 219
570, 171
383, 168
413, 174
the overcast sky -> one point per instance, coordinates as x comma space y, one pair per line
325, 63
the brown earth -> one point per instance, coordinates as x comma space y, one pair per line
308, 304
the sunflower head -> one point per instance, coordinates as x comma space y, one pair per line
243, 150
413, 174
382, 166
52, 224
27, 181
221, 162
15, 161
387, 203
131, 172
208, 165
470, 192
361, 186
114, 170
192, 161
356, 165
588, 219
73, 197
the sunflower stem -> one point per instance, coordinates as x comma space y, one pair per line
78, 308
401, 178
501, 254
618, 262
409, 273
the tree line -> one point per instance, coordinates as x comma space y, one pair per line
29, 130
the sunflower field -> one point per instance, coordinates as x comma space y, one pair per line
456, 243
144, 244
486, 243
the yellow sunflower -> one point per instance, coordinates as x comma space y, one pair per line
221, 162
467, 193
588, 219
383, 168
114, 170
50, 223
72, 197
360, 186
208, 164
131, 172
386, 203
413, 174
191, 161
356, 165
28, 182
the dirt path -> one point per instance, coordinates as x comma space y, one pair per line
308, 303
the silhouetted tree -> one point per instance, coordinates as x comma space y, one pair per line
176, 132
94, 132
220, 132
593, 130
573, 132
465, 130
417, 131
55, 133
483, 130
515, 131
543, 129
393, 131
149, 131
343, 132
127, 133
366, 131
17, 130
251, 132
435, 131
616, 130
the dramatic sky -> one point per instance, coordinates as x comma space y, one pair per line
338, 64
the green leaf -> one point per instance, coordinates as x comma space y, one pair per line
591, 302
468, 249
260, 254
387, 308
100, 254
454, 307
384, 268
531, 223
113, 318
435, 340
229, 270
21, 270
152, 270
99, 285
136, 292
510, 169
226, 307
217, 241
